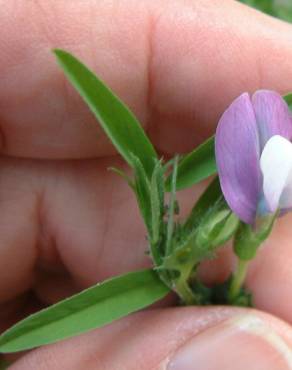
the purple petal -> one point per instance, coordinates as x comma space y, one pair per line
272, 115
237, 155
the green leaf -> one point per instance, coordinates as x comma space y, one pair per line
288, 99
92, 308
278, 8
119, 123
204, 205
265, 6
195, 166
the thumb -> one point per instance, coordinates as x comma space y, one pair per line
174, 339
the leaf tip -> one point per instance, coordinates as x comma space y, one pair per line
58, 52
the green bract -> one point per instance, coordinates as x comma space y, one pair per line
249, 238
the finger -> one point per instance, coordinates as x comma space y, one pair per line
177, 88
174, 339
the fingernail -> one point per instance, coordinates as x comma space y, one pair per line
245, 342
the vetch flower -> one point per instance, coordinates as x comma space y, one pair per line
254, 155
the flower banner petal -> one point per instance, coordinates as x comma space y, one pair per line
276, 166
237, 155
272, 114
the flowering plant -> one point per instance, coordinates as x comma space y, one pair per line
253, 156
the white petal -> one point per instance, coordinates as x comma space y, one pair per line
276, 166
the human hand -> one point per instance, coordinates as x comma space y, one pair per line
177, 64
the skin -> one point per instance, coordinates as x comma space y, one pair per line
177, 64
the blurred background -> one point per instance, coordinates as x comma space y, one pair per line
278, 8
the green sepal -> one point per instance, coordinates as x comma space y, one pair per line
211, 219
218, 228
248, 238
210, 224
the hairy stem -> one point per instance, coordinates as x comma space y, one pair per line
183, 288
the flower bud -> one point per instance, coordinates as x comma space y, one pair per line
218, 226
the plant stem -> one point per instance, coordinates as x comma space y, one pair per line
238, 279
185, 292
183, 289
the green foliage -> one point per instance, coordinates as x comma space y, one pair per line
277, 8
288, 99
119, 123
92, 308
